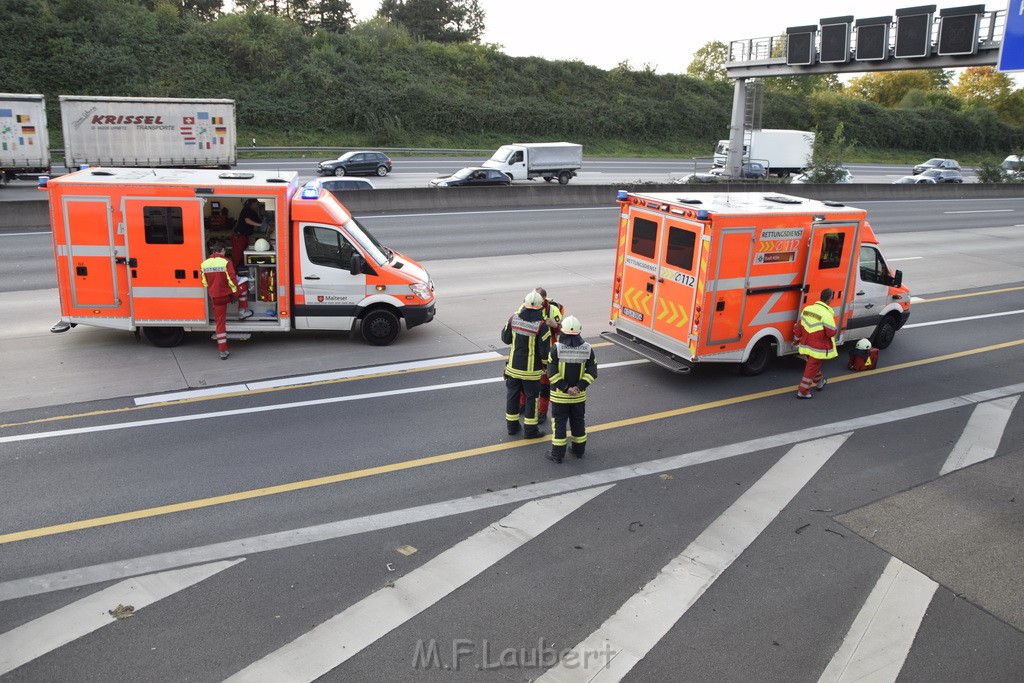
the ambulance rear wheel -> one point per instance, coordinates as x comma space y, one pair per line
164, 337
381, 327
760, 358
885, 332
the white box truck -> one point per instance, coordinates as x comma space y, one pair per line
547, 160
24, 141
782, 151
148, 132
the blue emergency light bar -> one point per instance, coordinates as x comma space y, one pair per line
310, 193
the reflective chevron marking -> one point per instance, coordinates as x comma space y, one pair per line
34, 639
645, 618
316, 652
982, 435
881, 635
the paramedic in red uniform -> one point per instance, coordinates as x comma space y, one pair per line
222, 284
816, 332
248, 220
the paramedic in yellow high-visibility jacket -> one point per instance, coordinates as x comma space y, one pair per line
571, 369
530, 339
816, 331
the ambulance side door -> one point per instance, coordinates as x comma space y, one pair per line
164, 237
831, 261
332, 295
872, 292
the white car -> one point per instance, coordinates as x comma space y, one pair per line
914, 180
845, 179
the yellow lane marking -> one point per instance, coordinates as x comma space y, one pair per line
455, 455
965, 296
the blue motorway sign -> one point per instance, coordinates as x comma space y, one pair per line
1011, 53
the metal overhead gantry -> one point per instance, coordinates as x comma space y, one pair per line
914, 38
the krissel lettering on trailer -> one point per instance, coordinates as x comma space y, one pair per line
112, 120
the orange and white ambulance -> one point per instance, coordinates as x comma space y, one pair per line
722, 277
128, 243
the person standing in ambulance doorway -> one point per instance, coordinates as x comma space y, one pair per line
222, 285
553, 312
248, 220
571, 369
530, 339
816, 331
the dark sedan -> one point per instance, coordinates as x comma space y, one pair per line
356, 163
473, 176
949, 164
943, 175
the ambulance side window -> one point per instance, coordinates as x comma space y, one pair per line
872, 266
680, 248
163, 225
327, 247
831, 250
645, 237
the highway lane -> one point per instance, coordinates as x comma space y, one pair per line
780, 610
481, 234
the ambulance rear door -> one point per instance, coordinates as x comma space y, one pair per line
164, 237
675, 294
831, 261
640, 271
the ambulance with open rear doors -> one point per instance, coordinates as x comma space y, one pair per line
723, 277
128, 243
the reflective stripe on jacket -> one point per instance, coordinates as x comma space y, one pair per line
530, 339
816, 331
571, 365
219, 276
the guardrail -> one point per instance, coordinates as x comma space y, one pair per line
35, 213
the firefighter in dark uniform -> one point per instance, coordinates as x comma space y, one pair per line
528, 335
553, 312
571, 369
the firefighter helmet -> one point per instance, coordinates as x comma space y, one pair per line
864, 345
261, 245
533, 300
571, 325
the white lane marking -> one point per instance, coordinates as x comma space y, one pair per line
119, 569
341, 637
962, 320
266, 409
906, 258
610, 653
45, 634
476, 213
320, 377
22, 234
983, 211
982, 435
880, 638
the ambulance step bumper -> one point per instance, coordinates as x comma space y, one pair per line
647, 351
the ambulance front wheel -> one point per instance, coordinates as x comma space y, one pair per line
760, 358
381, 327
164, 337
885, 332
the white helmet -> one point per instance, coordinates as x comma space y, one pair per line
261, 245
864, 345
533, 300
571, 325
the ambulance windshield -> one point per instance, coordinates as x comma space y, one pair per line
374, 249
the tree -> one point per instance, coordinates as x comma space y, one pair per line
889, 88
983, 85
442, 21
827, 157
709, 62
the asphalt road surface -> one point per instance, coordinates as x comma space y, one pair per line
324, 510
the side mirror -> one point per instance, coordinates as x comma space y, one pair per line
897, 279
355, 265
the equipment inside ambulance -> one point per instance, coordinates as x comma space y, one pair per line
128, 243
722, 277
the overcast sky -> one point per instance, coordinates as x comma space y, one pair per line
662, 33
